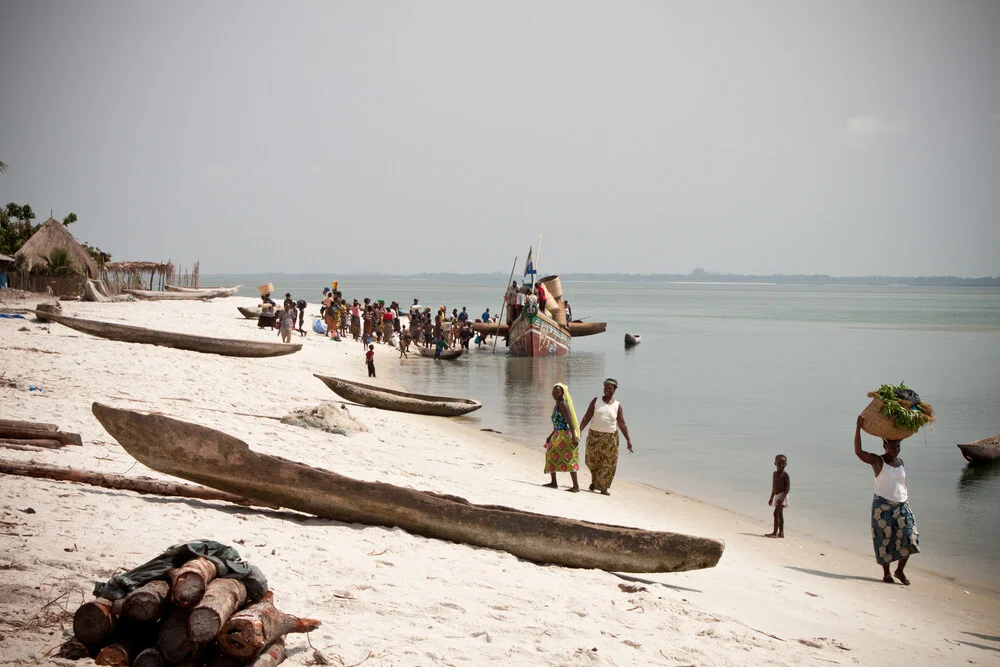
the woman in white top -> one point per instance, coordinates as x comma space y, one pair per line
602, 440
894, 532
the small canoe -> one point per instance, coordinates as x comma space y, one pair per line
400, 401
491, 328
580, 329
219, 460
148, 295
987, 449
223, 291
249, 313
447, 353
229, 347
631, 340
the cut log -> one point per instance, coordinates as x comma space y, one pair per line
173, 640
13, 423
219, 658
250, 631
74, 649
114, 655
221, 600
40, 433
189, 581
150, 657
148, 602
272, 656
110, 481
94, 621
31, 442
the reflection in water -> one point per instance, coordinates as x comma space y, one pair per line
980, 477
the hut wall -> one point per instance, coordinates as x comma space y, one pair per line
61, 286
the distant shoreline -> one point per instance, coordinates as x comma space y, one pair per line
695, 278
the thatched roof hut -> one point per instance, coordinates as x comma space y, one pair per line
53, 234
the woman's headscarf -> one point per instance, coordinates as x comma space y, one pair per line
574, 424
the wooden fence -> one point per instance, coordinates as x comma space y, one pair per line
61, 286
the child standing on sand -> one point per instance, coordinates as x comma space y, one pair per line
780, 486
370, 360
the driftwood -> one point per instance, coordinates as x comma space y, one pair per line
31, 442
150, 657
96, 620
22, 448
252, 630
189, 581
272, 656
110, 481
115, 655
173, 640
13, 423
39, 434
221, 600
148, 602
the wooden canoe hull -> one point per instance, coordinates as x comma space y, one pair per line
632, 339
491, 328
229, 347
537, 335
248, 313
451, 353
581, 329
218, 460
222, 291
400, 401
148, 295
987, 449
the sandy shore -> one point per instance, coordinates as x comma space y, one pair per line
386, 597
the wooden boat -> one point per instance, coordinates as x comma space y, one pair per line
631, 340
148, 295
223, 291
229, 347
491, 328
987, 449
534, 334
400, 401
249, 313
219, 460
581, 329
447, 353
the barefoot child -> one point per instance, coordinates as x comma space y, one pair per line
780, 485
370, 360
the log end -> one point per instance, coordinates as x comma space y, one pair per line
93, 621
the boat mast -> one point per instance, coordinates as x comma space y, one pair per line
538, 252
496, 334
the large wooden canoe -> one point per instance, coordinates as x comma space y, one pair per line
987, 449
576, 329
229, 347
447, 353
249, 313
219, 460
400, 401
223, 291
153, 295
491, 328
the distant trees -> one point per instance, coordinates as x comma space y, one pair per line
15, 227
69, 219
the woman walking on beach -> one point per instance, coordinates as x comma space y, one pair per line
562, 447
894, 532
602, 440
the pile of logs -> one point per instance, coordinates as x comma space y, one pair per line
192, 619
34, 436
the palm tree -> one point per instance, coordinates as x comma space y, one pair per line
59, 263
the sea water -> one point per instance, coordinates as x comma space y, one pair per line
727, 376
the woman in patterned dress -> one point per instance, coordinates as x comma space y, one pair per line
602, 439
894, 531
562, 447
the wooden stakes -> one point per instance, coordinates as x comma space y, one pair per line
188, 582
252, 630
148, 602
221, 600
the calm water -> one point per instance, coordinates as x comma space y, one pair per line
727, 376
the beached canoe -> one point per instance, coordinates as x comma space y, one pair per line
987, 449
223, 291
249, 313
400, 401
631, 340
229, 347
447, 353
220, 461
153, 295
581, 329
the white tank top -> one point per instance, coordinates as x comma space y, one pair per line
891, 483
605, 417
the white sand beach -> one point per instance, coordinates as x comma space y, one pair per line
386, 597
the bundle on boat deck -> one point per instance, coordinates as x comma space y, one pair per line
213, 458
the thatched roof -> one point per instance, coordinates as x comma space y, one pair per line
51, 235
132, 267
4, 259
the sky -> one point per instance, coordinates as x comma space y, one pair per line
846, 138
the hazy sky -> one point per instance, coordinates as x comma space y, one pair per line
849, 138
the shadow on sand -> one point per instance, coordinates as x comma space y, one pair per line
833, 575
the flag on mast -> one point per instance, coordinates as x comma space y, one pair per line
529, 266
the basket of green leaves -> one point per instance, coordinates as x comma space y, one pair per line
896, 412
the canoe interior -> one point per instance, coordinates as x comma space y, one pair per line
445, 354
402, 394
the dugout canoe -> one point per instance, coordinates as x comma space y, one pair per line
153, 295
631, 340
491, 328
223, 291
249, 313
400, 401
581, 329
447, 353
229, 347
219, 460
979, 451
